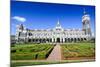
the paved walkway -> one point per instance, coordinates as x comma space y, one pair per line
55, 54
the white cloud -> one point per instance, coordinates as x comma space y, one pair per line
18, 18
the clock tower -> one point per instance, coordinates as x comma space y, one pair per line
86, 23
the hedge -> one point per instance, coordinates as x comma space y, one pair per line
31, 52
41, 55
44, 54
27, 56
78, 50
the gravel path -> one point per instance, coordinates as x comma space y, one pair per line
55, 54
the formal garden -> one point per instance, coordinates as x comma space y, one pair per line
35, 54
31, 51
78, 51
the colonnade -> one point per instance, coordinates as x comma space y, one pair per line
54, 40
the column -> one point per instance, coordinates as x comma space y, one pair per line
60, 40
63, 40
55, 40
52, 40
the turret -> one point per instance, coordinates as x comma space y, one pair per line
19, 31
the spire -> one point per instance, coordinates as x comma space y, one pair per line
58, 24
84, 11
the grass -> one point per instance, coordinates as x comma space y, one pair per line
31, 63
30, 51
15, 64
75, 50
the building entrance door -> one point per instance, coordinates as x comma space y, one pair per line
58, 40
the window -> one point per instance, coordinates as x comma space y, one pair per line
30, 34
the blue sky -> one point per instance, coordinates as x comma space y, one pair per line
35, 15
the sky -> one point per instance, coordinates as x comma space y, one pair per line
36, 15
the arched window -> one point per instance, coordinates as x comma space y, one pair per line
30, 34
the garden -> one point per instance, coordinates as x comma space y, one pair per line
78, 50
31, 51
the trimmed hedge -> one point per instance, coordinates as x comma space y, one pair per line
78, 50
27, 56
44, 54
31, 52
49, 51
41, 55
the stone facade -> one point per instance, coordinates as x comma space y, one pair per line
55, 35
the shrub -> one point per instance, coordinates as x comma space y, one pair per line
29, 52
27, 56
41, 55
13, 50
78, 50
49, 51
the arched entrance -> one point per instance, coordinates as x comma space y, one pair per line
71, 39
58, 40
84, 38
65, 39
78, 39
75, 40
29, 40
68, 39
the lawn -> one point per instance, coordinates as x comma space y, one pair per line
31, 51
78, 50
16, 64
